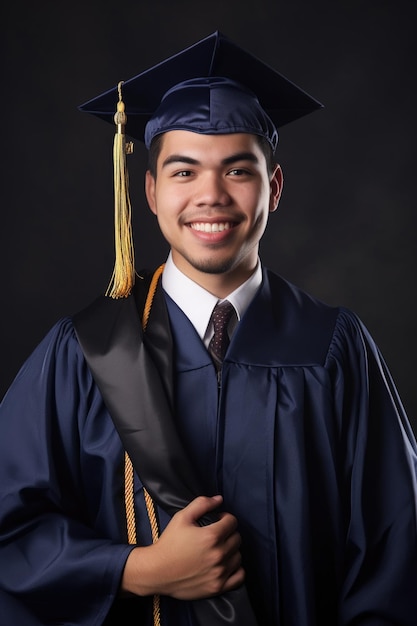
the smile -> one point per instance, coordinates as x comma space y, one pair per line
207, 227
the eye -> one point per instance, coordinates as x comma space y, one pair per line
239, 171
182, 173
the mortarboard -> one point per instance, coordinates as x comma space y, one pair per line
211, 87
188, 79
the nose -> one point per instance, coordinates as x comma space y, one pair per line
211, 190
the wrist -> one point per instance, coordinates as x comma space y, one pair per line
139, 576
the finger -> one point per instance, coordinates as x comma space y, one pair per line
200, 506
227, 523
235, 580
232, 543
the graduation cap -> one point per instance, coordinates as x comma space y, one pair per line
211, 87
190, 77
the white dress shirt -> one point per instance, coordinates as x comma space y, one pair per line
198, 304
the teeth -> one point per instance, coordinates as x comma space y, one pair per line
211, 228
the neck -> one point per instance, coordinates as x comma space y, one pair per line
219, 284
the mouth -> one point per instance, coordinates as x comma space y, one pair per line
211, 227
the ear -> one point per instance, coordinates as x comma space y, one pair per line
276, 184
150, 191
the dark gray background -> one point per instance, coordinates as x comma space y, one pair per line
345, 230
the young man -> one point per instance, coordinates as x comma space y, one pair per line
147, 478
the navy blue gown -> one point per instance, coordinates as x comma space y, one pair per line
306, 439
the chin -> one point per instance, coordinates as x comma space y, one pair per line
214, 266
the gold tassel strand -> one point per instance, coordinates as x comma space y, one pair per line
123, 276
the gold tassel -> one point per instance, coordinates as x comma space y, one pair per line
123, 276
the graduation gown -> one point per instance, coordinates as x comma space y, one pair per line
306, 439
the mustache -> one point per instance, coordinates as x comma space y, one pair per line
211, 216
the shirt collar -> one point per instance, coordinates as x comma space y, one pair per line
197, 303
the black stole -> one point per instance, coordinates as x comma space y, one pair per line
133, 371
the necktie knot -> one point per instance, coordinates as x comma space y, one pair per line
220, 318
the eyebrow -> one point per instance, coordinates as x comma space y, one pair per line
233, 158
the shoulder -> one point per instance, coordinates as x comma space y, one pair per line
56, 359
60, 337
295, 298
318, 329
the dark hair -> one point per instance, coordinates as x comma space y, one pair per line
268, 153
153, 154
156, 145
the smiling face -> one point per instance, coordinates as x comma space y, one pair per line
212, 195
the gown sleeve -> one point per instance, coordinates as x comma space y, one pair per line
56, 564
379, 579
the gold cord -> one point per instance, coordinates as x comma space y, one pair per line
151, 294
129, 500
129, 472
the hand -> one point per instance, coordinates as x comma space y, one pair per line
188, 561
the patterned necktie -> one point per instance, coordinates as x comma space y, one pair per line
218, 344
